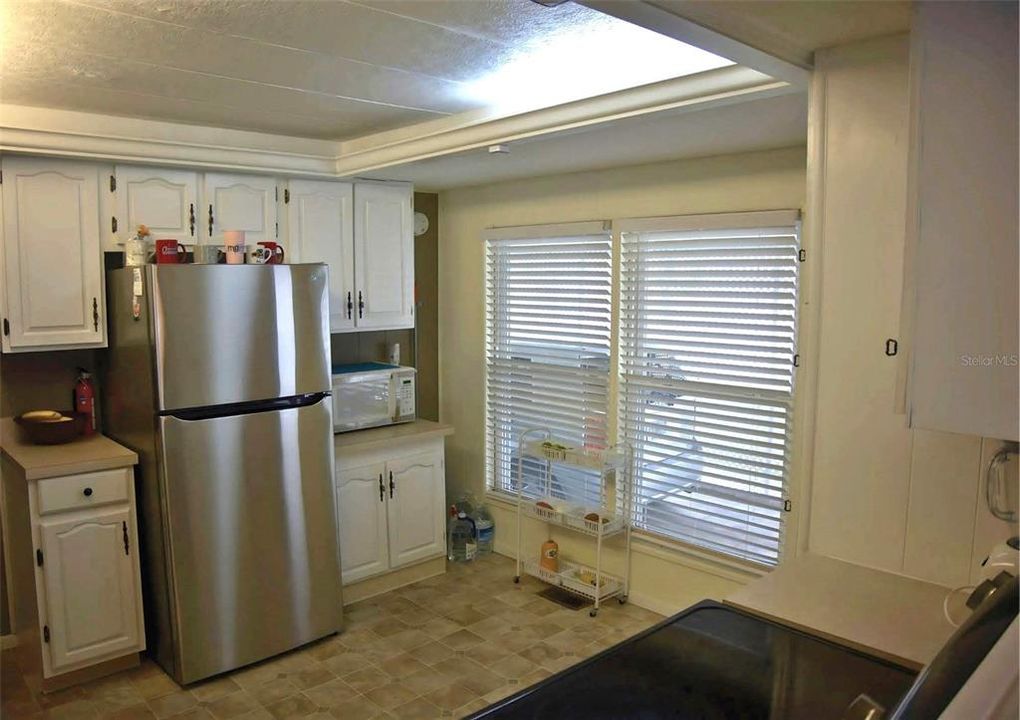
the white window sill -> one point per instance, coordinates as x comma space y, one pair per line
673, 551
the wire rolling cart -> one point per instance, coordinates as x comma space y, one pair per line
610, 518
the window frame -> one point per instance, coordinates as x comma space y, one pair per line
800, 423
709, 222
538, 232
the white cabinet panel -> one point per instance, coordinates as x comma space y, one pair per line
416, 507
940, 511
384, 252
965, 344
861, 465
320, 227
91, 590
51, 255
238, 202
164, 200
361, 515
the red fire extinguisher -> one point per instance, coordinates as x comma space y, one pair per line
85, 400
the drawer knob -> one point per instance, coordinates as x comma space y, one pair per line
87, 492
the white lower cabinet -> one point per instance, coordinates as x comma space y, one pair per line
415, 509
91, 580
361, 502
77, 584
390, 506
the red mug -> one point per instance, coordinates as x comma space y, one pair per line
170, 251
276, 252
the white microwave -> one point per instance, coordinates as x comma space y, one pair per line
372, 394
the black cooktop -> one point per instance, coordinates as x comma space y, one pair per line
711, 662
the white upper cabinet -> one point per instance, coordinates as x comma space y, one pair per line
361, 516
416, 508
91, 587
52, 260
320, 227
238, 202
164, 200
384, 255
964, 219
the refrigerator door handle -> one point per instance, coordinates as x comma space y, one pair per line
246, 408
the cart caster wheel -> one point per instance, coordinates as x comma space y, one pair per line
623, 600
517, 578
593, 613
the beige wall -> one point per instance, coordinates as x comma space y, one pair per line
883, 495
752, 181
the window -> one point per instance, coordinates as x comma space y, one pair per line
707, 342
548, 327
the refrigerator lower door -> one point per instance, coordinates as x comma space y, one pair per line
249, 504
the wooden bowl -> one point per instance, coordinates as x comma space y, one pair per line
49, 432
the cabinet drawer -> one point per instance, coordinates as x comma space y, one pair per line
72, 492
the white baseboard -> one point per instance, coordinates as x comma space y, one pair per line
8, 641
656, 606
380, 584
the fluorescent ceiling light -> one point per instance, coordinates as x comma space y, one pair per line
584, 54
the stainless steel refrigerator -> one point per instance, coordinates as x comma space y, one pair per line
218, 376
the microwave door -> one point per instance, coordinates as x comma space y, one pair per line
361, 402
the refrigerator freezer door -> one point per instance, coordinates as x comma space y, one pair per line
237, 333
253, 540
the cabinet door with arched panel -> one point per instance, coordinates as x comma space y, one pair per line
50, 256
361, 516
417, 497
92, 608
164, 200
238, 202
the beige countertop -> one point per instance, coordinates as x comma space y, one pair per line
891, 616
78, 456
389, 434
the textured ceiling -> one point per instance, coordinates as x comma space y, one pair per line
755, 125
331, 69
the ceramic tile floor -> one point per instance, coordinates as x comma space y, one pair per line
443, 647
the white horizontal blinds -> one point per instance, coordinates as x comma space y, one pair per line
547, 348
708, 336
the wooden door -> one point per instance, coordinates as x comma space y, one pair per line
91, 585
238, 202
361, 516
384, 256
52, 261
416, 509
321, 229
164, 200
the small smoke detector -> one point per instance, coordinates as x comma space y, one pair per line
501, 149
549, 3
